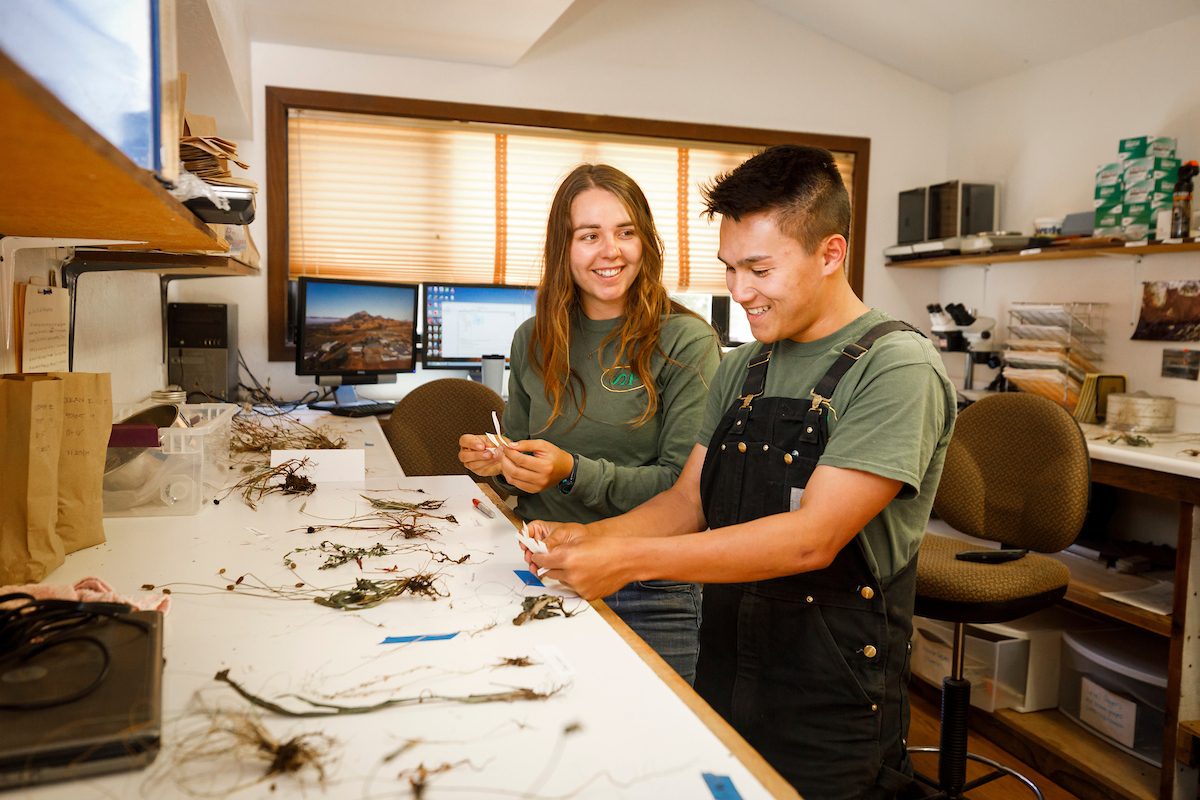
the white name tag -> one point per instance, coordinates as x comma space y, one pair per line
797, 493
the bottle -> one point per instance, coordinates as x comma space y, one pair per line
1181, 204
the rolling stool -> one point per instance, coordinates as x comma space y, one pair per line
1017, 471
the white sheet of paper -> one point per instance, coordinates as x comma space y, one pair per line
46, 331
327, 466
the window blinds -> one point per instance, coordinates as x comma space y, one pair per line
392, 198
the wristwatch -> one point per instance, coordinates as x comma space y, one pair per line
568, 482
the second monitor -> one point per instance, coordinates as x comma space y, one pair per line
465, 322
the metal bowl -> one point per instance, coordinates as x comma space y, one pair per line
164, 416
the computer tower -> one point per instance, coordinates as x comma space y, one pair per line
202, 352
912, 218
961, 209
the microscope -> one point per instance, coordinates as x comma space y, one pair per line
957, 330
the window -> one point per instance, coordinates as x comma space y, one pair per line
407, 190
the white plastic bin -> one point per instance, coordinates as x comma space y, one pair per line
995, 664
181, 475
1114, 683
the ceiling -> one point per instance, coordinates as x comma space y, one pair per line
950, 44
493, 32
957, 44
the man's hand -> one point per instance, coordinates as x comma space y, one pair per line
534, 465
478, 455
594, 566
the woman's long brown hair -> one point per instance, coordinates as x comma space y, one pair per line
558, 299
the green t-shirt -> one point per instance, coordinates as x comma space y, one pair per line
620, 467
895, 413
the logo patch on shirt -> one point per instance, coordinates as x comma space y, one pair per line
620, 379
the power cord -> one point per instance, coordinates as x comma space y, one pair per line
261, 395
39, 626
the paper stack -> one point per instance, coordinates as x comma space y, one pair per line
206, 155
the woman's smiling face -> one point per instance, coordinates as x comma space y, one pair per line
606, 252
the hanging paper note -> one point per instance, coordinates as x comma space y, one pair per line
45, 329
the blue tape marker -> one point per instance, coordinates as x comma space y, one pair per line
427, 638
721, 787
528, 578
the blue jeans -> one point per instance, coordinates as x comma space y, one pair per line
666, 614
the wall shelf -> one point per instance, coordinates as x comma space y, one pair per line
59, 178
1049, 254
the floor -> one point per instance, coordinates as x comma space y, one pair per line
923, 730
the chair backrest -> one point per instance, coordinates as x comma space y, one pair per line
1017, 471
424, 428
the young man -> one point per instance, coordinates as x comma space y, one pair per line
815, 469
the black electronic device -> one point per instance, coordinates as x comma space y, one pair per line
202, 350
911, 224
959, 209
113, 727
466, 321
363, 409
990, 556
351, 333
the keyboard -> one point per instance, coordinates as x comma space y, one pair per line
362, 409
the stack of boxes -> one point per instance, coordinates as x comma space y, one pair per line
1131, 191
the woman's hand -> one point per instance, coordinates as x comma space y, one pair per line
534, 465
478, 455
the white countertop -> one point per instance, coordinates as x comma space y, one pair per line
1167, 453
635, 736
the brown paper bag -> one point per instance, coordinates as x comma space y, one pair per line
87, 423
31, 423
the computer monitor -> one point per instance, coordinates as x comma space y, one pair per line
730, 321
465, 322
353, 332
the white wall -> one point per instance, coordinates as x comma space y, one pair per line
1042, 134
705, 61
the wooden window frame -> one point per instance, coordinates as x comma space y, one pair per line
280, 100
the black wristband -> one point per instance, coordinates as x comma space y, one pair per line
566, 484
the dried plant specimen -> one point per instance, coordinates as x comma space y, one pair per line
262, 433
541, 607
285, 479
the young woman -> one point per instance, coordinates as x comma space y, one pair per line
608, 388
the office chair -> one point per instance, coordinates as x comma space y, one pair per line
1017, 472
424, 427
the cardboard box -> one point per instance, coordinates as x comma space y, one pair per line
1147, 146
1109, 195
1110, 174
1150, 168
1159, 191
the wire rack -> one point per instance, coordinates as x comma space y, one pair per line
1052, 347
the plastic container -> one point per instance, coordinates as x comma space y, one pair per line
996, 665
1047, 226
180, 476
1114, 684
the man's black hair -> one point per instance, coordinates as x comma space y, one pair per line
800, 185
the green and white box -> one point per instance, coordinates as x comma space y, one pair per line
1151, 169
1147, 147
1110, 195
1109, 216
1110, 175
1160, 191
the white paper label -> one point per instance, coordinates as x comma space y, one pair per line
326, 466
556, 661
797, 493
1112, 715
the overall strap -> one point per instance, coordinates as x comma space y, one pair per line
752, 387
823, 391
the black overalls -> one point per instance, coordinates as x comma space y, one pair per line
812, 669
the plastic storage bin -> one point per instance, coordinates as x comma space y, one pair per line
995, 664
1114, 683
184, 473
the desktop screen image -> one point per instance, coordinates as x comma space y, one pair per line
463, 322
355, 327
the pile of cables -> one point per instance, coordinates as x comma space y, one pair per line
37, 627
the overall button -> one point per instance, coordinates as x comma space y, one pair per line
722, 447
766, 448
874, 707
741, 447
869, 651
808, 430
787, 458
867, 592
809, 598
